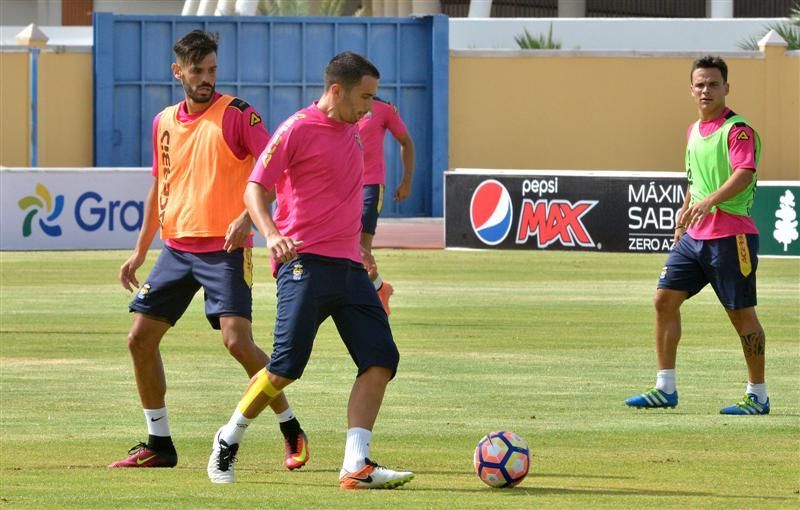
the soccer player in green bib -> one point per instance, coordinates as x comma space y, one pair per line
716, 240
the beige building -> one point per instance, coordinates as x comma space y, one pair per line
535, 109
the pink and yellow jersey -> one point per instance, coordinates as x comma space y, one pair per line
742, 155
372, 127
243, 138
316, 165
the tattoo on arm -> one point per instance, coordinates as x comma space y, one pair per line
753, 343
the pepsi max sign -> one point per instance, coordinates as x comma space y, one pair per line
562, 210
490, 212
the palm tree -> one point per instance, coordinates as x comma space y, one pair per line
788, 30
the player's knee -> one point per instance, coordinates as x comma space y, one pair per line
140, 343
236, 343
665, 304
378, 374
279, 382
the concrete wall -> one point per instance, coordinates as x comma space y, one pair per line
640, 34
65, 109
606, 111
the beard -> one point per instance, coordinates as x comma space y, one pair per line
195, 95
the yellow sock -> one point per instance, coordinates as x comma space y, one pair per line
261, 385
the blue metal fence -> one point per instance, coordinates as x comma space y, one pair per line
276, 65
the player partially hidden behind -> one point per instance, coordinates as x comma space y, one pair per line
314, 165
203, 151
716, 240
372, 128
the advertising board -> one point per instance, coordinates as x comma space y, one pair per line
592, 210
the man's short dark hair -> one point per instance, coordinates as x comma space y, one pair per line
710, 62
347, 69
195, 46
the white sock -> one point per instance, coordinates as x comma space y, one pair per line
233, 431
157, 422
285, 416
759, 390
356, 449
665, 380
378, 282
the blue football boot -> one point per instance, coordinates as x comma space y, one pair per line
748, 405
652, 399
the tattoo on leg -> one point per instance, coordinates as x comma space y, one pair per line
753, 343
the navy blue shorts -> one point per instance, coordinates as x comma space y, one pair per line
728, 264
373, 203
226, 279
312, 288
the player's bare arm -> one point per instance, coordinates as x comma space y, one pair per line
736, 183
127, 272
238, 232
258, 200
680, 225
366, 253
407, 156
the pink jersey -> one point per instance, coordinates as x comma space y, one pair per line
372, 128
316, 165
742, 155
245, 133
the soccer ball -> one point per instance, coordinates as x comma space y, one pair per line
501, 459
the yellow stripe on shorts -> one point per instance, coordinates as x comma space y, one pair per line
743, 252
248, 267
380, 199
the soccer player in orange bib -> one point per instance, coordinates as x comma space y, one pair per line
203, 151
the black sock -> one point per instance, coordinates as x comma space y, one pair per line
160, 444
290, 430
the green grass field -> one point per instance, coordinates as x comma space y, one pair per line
547, 344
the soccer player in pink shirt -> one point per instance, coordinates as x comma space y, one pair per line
716, 240
203, 150
314, 167
372, 127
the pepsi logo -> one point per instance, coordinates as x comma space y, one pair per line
490, 212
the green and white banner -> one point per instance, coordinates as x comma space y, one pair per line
775, 213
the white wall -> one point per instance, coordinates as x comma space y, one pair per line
25, 12
80, 37
139, 6
48, 12
638, 34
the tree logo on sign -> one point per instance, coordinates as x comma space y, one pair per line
786, 225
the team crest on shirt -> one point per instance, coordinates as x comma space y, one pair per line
358, 141
144, 291
297, 271
254, 119
743, 136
